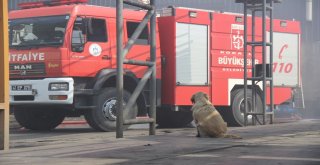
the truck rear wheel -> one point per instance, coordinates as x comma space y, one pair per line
103, 117
40, 119
173, 119
236, 113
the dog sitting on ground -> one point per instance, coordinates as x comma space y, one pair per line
208, 120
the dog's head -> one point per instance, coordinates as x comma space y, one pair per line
200, 97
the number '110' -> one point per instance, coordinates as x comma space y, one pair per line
282, 67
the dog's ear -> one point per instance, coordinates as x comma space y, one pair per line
206, 96
192, 99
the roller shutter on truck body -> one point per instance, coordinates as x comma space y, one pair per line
286, 53
191, 54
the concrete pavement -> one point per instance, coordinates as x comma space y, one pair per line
286, 143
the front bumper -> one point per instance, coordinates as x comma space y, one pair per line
40, 94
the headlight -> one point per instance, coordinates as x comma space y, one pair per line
59, 86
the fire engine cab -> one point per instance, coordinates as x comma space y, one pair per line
63, 63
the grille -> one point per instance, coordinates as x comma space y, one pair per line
29, 69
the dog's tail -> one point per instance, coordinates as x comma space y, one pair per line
232, 136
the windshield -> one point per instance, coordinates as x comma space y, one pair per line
38, 31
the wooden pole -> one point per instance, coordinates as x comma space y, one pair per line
4, 76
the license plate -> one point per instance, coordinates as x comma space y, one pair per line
21, 87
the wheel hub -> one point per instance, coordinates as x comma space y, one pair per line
249, 106
109, 109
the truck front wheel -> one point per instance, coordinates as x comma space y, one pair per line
103, 117
40, 119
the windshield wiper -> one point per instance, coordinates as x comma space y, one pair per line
36, 46
24, 46
51, 44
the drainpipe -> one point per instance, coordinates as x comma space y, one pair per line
309, 10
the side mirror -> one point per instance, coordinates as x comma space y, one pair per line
89, 27
80, 23
78, 41
78, 35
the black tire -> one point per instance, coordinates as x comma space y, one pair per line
236, 113
173, 119
103, 117
40, 119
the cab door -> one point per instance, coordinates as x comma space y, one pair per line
90, 46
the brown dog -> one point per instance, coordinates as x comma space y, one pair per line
208, 120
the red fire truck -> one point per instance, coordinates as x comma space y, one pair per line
63, 63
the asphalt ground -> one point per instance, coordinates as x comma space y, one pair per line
291, 143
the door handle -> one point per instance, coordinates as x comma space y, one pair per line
106, 57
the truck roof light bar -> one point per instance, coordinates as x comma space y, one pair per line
28, 5
283, 23
193, 14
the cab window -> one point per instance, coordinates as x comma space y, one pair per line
97, 31
88, 30
144, 36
